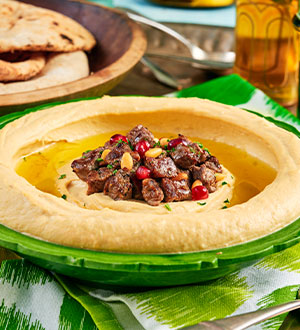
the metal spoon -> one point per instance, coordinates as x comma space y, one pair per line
161, 75
214, 60
166, 78
246, 320
185, 59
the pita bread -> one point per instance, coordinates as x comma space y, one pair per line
26, 27
60, 68
20, 66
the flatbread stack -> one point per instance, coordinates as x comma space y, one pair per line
40, 48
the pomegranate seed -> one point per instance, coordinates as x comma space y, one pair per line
142, 173
117, 137
199, 192
174, 143
141, 147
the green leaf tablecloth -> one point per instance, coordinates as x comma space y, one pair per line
33, 298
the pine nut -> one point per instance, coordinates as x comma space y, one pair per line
180, 176
196, 184
164, 142
105, 153
153, 152
127, 161
220, 176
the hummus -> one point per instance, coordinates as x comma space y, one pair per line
129, 226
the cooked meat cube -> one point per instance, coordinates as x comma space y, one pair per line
135, 156
162, 155
109, 145
175, 190
140, 133
184, 156
213, 164
195, 147
161, 167
202, 153
87, 163
136, 187
115, 156
96, 179
204, 156
152, 192
206, 176
118, 186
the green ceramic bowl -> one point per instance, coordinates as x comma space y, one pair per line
149, 270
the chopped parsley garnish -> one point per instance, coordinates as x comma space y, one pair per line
99, 160
224, 182
202, 204
173, 149
157, 144
64, 196
130, 145
207, 150
200, 144
62, 176
115, 171
109, 166
168, 207
121, 141
224, 207
85, 152
192, 150
227, 201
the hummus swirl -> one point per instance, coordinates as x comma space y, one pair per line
124, 228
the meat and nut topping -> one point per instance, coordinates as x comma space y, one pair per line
141, 166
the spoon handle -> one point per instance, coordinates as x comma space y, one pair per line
244, 321
161, 75
166, 29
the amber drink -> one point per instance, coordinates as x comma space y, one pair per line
267, 47
194, 3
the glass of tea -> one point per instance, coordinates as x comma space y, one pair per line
267, 47
194, 3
